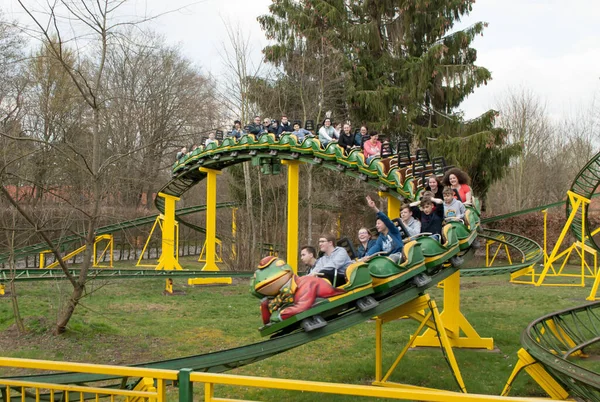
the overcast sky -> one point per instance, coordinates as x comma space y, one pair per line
551, 47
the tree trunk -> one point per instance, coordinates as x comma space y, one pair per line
262, 206
248, 188
309, 205
13, 289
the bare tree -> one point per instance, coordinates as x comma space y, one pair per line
553, 152
159, 102
77, 36
524, 117
238, 73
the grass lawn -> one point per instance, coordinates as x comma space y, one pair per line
130, 321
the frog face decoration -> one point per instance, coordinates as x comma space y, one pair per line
272, 274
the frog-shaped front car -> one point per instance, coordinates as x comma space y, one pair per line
284, 294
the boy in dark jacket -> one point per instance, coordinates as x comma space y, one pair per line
431, 221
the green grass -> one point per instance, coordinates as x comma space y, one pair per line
130, 321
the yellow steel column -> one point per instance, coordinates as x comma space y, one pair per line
168, 260
455, 322
233, 232
582, 254
211, 231
211, 218
539, 375
378, 345
394, 204
577, 201
545, 212
293, 176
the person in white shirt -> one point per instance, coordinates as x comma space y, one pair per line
327, 133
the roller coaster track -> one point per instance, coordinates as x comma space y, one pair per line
395, 180
229, 359
36, 274
550, 339
586, 182
125, 225
555, 338
531, 253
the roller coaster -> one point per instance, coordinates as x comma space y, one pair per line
566, 333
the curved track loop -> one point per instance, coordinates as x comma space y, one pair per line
378, 173
531, 253
552, 339
146, 220
586, 182
225, 360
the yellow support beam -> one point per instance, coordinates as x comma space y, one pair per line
393, 205
65, 258
109, 247
146, 384
488, 244
293, 183
538, 373
211, 218
234, 232
578, 204
218, 251
211, 232
169, 257
415, 310
455, 322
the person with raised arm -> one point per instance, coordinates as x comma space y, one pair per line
389, 241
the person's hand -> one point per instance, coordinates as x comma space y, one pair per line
370, 202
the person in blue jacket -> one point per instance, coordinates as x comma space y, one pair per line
389, 241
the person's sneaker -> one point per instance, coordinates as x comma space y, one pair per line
421, 280
456, 261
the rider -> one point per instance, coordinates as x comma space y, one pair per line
389, 241
332, 265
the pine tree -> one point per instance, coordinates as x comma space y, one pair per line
406, 72
308, 49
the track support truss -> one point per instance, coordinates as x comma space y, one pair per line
539, 375
415, 309
455, 322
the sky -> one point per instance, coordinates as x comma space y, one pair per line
549, 47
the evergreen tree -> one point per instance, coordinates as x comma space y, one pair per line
308, 49
405, 70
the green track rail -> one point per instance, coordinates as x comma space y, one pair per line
586, 182
396, 181
553, 349
531, 253
109, 229
36, 274
225, 360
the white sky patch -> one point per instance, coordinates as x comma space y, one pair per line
551, 47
